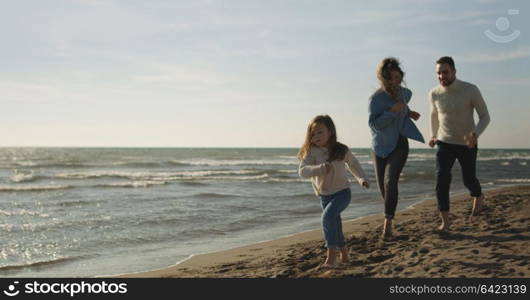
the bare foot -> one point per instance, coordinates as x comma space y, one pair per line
444, 227
444, 215
331, 259
387, 229
478, 205
345, 254
386, 234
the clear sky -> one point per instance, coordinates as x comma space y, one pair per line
245, 73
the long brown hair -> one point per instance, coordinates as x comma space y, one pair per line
384, 69
337, 150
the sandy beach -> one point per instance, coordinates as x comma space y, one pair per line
494, 244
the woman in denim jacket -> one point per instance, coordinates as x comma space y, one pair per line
391, 126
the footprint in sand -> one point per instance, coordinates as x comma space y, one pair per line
402, 237
307, 267
363, 251
424, 250
283, 273
379, 258
223, 270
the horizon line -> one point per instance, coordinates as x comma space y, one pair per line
223, 147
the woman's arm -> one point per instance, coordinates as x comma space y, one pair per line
408, 96
380, 119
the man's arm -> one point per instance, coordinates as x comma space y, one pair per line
435, 123
482, 110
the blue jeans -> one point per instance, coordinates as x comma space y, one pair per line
445, 158
332, 206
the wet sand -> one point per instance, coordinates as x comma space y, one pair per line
494, 244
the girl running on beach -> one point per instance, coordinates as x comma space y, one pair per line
324, 160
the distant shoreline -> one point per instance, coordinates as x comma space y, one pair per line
212, 148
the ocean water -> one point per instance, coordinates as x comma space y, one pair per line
79, 212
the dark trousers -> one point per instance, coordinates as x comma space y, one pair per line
445, 159
387, 172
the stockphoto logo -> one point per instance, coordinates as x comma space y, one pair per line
12, 290
70, 289
503, 24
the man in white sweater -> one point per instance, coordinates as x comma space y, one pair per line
454, 131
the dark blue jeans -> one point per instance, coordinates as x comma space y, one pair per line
332, 206
445, 159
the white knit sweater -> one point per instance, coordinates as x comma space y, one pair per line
313, 166
452, 110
